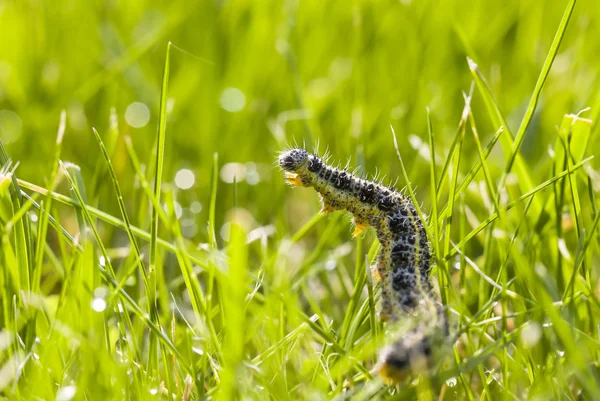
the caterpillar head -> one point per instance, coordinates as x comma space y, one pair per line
293, 159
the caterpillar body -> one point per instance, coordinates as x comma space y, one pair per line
404, 263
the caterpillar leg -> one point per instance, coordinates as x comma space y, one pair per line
360, 227
375, 272
293, 179
326, 209
391, 373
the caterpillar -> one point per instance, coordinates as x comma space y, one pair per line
403, 265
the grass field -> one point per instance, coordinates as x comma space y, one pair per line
150, 248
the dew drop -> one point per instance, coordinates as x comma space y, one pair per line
98, 304
66, 393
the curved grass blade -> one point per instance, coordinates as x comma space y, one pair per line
123, 209
558, 37
512, 204
109, 276
104, 217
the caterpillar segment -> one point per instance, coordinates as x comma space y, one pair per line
403, 265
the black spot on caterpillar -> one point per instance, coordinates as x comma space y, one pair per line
404, 264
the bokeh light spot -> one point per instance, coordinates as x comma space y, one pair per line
233, 172
531, 334
178, 210
196, 207
11, 126
137, 114
232, 100
185, 178
98, 304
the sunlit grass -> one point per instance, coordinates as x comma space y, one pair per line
107, 293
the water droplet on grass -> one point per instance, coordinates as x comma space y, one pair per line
98, 304
66, 393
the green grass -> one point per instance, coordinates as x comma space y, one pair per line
116, 283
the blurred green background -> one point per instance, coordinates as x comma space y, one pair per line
249, 79
257, 76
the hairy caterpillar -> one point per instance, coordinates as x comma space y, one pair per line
404, 263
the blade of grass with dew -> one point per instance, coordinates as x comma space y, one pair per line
109, 276
471, 174
212, 237
110, 144
573, 130
513, 204
42, 229
456, 156
498, 120
158, 171
571, 143
455, 142
355, 315
18, 214
359, 282
211, 230
574, 134
197, 297
106, 218
21, 231
583, 250
291, 336
137, 253
373, 320
502, 222
135, 162
463, 379
74, 173
123, 211
575, 205
315, 308
235, 286
560, 33
546, 294
409, 188
432, 183
434, 219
